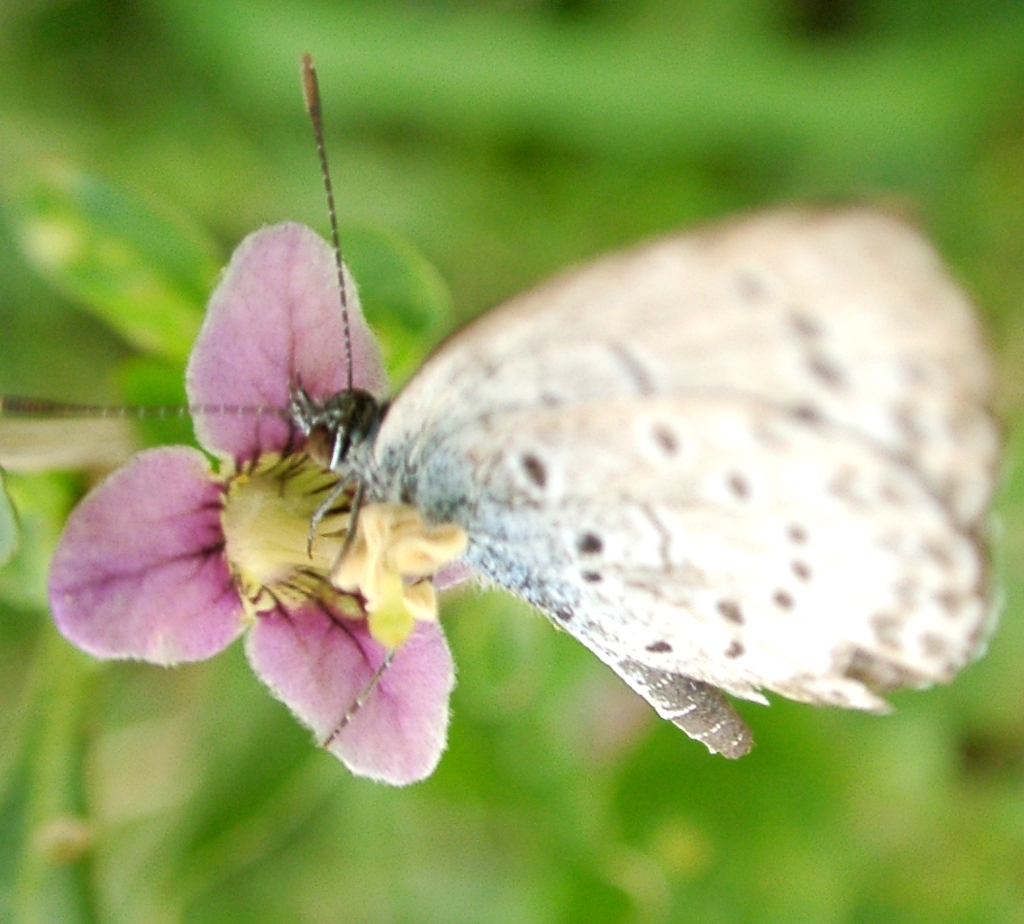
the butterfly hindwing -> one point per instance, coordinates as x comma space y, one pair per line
732, 543
753, 459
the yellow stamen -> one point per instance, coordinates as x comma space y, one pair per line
392, 555
265, 518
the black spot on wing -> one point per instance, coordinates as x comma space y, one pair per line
804, 325
797, 533
635, 368
807, 414
535, 470
935, 646
783, 600
939, 554
666, 439
878, 673
887, 630
752, 288
739, 486
826, 371
953, 603
907, 424
730, 609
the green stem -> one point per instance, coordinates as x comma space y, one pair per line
53, 875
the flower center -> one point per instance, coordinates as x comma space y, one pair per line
385, 574
266, 516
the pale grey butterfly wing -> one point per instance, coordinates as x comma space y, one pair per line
848, 316
644, 447
753, 550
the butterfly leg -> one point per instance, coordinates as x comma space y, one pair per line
322, 511
353, 519
361, 699
353, 523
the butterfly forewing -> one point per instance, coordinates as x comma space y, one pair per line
757, 457
848, 316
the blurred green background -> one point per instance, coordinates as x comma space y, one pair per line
499, 140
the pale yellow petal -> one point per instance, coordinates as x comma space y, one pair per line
393, 551
421, 601
425, 552
389, 619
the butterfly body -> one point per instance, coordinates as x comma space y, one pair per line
753, 459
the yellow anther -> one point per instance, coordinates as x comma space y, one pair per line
393, 552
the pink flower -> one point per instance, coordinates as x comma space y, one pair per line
171, 558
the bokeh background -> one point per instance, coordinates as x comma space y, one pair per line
476, 146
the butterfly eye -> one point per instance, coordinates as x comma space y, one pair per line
320, 445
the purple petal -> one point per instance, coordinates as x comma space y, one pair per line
318, 665
452, 574
273, 321
140, 570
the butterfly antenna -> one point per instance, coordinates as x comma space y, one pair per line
41, 408
311, 93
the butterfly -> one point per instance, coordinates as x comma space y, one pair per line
753, 458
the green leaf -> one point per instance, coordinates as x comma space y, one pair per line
42, 501
150, 383
142, 271
404, 297
47, 862
10, 532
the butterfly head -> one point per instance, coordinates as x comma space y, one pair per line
337, 427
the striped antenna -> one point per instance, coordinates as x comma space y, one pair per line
43, 409
311, 93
